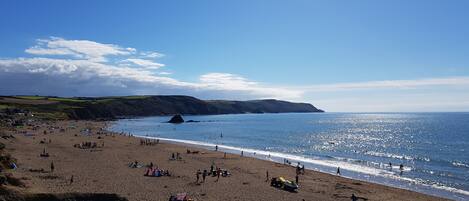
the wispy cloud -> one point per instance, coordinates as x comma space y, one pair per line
83, 49
144, 63
389, 84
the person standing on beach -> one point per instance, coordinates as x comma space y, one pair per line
338, 170
52, 166
296, 178
354, 198
266, 175
216, 147
204, 174
218, 173
242, 153
71, 180
198, 175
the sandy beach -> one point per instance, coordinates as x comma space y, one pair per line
105, 169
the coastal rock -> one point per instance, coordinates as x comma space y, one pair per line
176, 119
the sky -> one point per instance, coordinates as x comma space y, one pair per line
341, 56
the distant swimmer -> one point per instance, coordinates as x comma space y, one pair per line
390, 165
401, 167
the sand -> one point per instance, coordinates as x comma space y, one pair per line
105, 170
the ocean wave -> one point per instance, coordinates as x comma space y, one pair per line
460, 164
389, 155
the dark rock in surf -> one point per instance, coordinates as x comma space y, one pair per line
176, 119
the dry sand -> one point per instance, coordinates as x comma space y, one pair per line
105, 170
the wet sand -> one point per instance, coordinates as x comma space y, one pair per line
105, 170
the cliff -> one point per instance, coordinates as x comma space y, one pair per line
115, 107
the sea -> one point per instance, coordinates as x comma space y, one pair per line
433, 148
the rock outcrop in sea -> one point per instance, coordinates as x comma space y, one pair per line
176, 119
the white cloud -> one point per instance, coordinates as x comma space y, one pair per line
83, 62
231, 82
150, 54
144, 63
389, 84
85, 49
165, 73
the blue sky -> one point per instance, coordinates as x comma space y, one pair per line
338, 55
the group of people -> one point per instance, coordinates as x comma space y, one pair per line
149, 142
214, 172
87, 145
175, 156
154, 171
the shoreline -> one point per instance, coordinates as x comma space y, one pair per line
275, 157
105, 170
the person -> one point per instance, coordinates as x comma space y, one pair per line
218, 173
266, 175
71, 179
401, 167
216, 147
211, 169
242, 153
296, 178
52, 166
151, 164
338, 170
204, 174
172, 156
198, 175
354, 198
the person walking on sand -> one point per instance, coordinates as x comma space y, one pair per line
71, 180
338, 170
218, 173
198, 175
266, 175
354, 198
52, 166
204, 174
